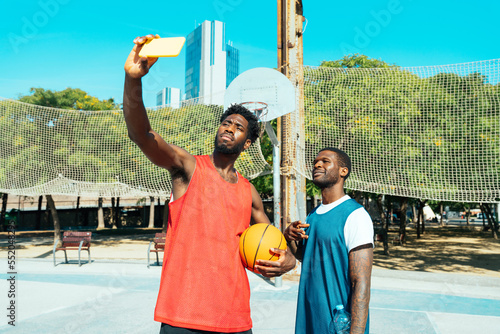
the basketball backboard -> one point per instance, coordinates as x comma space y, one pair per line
264, 90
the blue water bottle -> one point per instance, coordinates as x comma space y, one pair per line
342, 320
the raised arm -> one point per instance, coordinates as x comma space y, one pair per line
360, 271
168, 156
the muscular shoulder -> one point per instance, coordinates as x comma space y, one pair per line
358, 229
360, 215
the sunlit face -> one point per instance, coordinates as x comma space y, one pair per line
326, 170
232, 135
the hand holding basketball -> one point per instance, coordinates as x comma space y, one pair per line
285, 263
135, 66
256, 244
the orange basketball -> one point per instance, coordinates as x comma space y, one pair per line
255, 244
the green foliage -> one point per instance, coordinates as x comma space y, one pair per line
356, 61
264, 184
67, 99
311, 189
421, 128
433, 136
92, 147
418, 131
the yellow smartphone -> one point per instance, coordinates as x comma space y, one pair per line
162, 47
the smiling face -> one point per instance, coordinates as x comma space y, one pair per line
327, 171
232, 136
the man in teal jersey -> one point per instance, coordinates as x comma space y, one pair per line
336, 249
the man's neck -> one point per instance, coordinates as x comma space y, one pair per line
333, 193
224, 164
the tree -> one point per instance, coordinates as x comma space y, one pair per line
366, 109
493, 224
384, 219
67, 99
418, 129
55, 218
38, 218
100, 214
117, 211
165, 216
357, 61
402, 219
93, 146
151, 223
112, 214
57, 134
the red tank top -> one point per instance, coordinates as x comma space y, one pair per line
203, 282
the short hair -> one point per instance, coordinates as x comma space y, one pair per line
342, 158
253, 122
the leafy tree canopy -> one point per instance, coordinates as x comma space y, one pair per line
357, 61
70, 98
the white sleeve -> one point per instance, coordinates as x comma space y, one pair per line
358, 229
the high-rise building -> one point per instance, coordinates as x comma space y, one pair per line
169, 96
232, 63
211, 63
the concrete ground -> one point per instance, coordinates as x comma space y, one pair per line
116, 293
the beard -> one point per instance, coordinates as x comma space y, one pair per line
222, 148
326, 182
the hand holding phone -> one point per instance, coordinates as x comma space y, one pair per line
162, 47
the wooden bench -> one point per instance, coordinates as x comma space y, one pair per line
159, 246
74, 241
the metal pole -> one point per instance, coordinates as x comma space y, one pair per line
278, 282
276, 174
291, 126
277, 198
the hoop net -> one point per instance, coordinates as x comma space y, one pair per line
258, 108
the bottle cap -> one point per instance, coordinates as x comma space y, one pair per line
339, 307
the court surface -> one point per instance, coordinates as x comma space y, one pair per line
118, 296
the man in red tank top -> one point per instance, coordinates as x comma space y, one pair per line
204, 287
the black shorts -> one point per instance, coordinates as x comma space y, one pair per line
167, 329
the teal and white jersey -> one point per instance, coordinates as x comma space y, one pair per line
334, 230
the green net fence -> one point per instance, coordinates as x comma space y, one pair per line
422, 132
88, 153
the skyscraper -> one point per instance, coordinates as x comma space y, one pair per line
168, 96
211, 63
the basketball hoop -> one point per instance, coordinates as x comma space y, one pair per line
258, 108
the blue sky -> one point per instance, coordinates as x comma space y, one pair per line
56, 44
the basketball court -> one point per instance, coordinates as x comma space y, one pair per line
118, 296
363, 111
